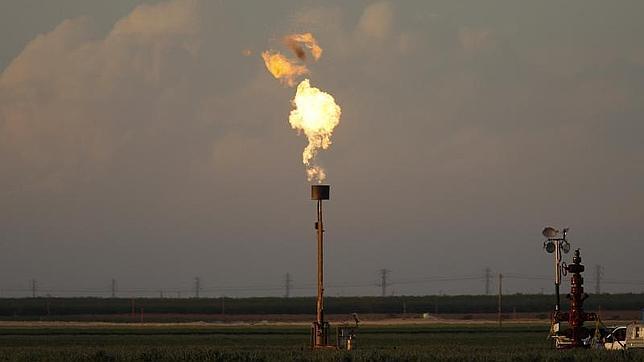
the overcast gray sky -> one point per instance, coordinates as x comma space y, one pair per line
139, 141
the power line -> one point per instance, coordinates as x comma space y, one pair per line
383, 281
197, 286
254, 287
623, 282
33, 288
113, 288
287, 285
526, 277
488, 277
437, 280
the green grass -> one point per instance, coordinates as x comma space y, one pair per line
375, 343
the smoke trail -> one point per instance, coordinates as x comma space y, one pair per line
295, 42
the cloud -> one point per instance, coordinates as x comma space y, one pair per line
179, 18
377, 20
73, 99
158, 133
474, 40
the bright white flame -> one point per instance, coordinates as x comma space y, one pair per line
316, 114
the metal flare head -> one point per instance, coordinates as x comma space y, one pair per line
320, 192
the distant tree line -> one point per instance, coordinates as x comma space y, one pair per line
460, 304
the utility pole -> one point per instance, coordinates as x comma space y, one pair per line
500, 298
33, 288
598, 278
383, 281
113, 288
197, 286
288, 282
488, 278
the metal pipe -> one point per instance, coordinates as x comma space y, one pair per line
557, 274
557, 306
319, 336
320, 233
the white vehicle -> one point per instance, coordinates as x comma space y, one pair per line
625, 337
616, 339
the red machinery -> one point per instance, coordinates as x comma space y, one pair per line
576, 335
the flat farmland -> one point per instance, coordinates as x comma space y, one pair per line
454, 341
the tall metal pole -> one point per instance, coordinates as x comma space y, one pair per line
557, 275
319, 331
320, 232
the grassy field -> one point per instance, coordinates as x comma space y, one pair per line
204, 342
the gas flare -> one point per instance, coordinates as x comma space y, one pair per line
314, 172
316, 114
295, 41
282, 68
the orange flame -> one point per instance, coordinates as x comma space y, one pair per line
294, 42
282, 68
